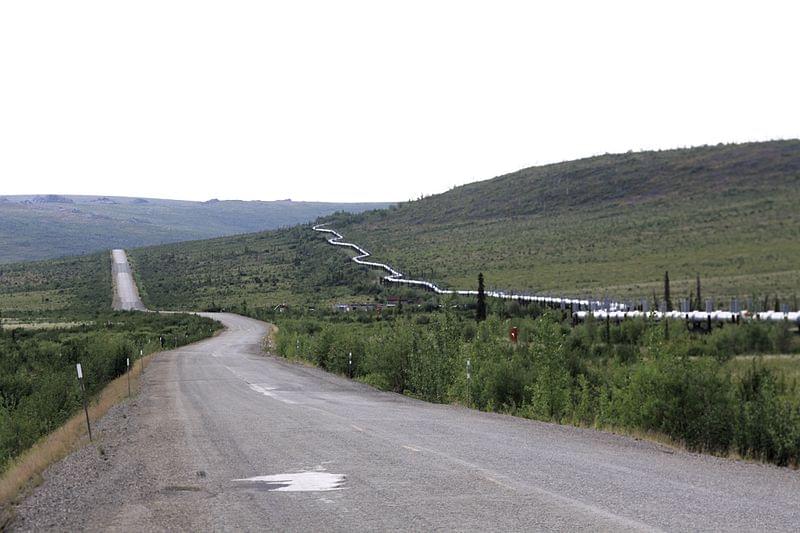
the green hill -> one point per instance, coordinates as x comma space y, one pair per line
612, 223
47, 226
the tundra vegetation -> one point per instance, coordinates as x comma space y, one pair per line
292, 266
72, 287
698, 389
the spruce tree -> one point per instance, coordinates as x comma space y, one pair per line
699, 298
667, 298
480, 311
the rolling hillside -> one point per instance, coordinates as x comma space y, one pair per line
611, 223
39, 227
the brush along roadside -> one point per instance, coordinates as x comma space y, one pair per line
25, 472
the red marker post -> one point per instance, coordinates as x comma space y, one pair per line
85, 407
513, 333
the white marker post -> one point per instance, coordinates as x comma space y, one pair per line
128, 371
350, 365
85, 407
469, 382
141, 362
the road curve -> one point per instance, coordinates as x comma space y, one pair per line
126, 296
214, 415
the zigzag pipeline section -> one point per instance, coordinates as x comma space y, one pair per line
581, 308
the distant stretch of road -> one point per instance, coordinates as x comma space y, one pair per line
126, 296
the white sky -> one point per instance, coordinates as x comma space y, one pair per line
357, 101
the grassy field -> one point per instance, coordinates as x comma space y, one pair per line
785, 365
39, 227
609, 224
62, 288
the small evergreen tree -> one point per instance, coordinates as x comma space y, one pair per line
480, 311
699, 297
667, 298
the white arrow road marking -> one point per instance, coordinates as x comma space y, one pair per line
301, 481
268, 391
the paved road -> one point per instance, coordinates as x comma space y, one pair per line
126, 296
217, 412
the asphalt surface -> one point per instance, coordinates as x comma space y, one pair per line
126, 296
217, 412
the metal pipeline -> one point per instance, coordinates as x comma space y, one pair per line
580, 307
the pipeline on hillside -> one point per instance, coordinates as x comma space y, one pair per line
581, 308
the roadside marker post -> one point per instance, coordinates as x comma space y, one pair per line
141, 361
350, 365
128, 365
83, 394
469, 382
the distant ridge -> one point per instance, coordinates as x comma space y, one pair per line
51, 199
52, 225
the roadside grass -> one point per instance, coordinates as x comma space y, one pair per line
670, 445
25, 471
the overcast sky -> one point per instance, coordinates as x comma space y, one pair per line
356, 101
